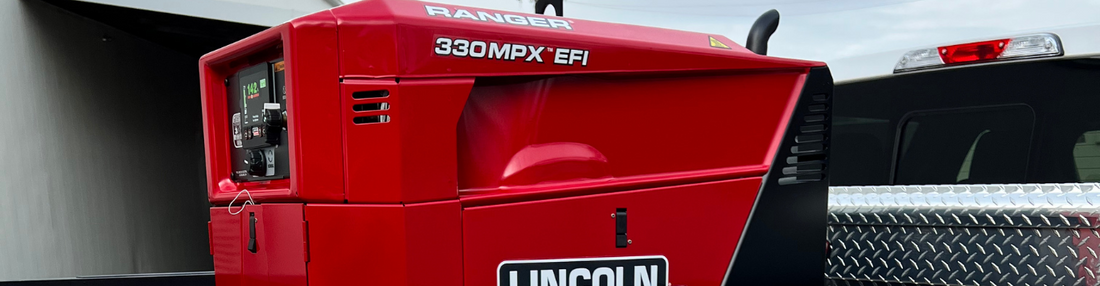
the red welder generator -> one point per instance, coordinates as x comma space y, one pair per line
391, 142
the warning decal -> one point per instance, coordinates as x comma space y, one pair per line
715, 43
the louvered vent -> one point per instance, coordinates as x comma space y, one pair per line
808, 155
371, 108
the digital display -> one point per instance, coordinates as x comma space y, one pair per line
256, 97
255, 90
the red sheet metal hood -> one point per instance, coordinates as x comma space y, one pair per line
399, 38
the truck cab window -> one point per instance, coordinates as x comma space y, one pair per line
861, 150
964, 171
965, 146
1086, 156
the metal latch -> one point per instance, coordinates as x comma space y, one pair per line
252, 232
620, 229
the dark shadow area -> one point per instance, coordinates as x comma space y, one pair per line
162, 279
189, 35
103, 162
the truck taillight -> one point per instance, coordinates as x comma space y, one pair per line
1041, 45
973, 52
1023, 47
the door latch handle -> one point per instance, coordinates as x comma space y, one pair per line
620, 229
252, 232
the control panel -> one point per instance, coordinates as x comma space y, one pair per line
257, 112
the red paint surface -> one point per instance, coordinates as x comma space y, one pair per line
282, 241
659, 89
641, 126
411, 158
225, 243
395, 38
695, 226
308, 48
538, 163
490, 160
351, 243
279, 254
417, 244
434, 240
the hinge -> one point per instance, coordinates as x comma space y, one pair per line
305, 240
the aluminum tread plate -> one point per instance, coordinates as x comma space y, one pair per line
1018, 234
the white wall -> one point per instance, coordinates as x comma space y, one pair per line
101, 162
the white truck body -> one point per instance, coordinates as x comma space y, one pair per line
956, 221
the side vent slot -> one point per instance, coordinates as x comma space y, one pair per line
370, 94
370, 107
808, 155
371, 119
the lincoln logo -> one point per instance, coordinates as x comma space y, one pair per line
609, 271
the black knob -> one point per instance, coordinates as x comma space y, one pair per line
274, 122
257, 165
274, 117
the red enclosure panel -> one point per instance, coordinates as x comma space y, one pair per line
353, 244
373, 150
430, 112
397, 38
519, 138
670, 85
695, 226
279, 258
417, 244
308, 48
434, 236
282, 239
411, 157
225, 243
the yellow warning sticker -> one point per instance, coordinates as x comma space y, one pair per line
715, 43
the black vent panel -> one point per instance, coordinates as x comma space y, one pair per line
783, 241
807, 158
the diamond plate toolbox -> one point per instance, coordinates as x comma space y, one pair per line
1019, 234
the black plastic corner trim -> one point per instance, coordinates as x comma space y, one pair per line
783, 242
761, 31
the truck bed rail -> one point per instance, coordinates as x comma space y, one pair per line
1009, 234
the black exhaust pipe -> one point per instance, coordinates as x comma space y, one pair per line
761, 31
540, 6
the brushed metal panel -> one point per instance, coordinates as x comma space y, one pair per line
1012, 234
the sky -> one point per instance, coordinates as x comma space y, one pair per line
831, 29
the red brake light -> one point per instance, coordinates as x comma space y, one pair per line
972, 52
1022, 47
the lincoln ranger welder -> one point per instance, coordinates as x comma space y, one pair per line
391, 142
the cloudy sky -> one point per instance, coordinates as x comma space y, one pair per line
832, 29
